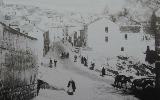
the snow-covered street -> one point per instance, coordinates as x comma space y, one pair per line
79, 49
87, 88
90, 85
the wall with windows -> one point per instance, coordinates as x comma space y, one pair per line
106, 39
101, 34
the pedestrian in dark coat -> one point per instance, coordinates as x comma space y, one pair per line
67, 54
85, 62
147, 54
82, 60
75, 58
92, 66
50, 63
71, 87
55, 62
103, 71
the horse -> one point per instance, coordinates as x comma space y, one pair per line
121, 80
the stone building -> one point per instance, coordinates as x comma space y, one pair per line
18, 67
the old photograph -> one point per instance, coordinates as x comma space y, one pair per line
79, 49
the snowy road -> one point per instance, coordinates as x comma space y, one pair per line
89, 86
69, 65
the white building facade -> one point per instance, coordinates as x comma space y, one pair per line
107, 41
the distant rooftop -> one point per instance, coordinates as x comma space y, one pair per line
16, 32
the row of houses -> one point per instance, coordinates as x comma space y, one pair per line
108, 38
79, 36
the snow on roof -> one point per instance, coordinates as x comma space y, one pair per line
14, 22
26, 28
8, 10
35, 32
34, 17
103, 21
16, 32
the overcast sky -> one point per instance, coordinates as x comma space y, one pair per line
93, 6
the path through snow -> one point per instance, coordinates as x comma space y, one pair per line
89, 86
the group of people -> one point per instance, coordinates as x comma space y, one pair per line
51, 63
64, 55
84, 61
146, 38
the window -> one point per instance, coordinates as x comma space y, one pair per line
106, 29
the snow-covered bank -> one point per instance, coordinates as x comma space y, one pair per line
87, 89
90, 85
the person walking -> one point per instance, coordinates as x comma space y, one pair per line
50, 63
82, 60
103, 72
147, 54
92, 66
75, 58
67, 54
85, 62
55, 62
71, 87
